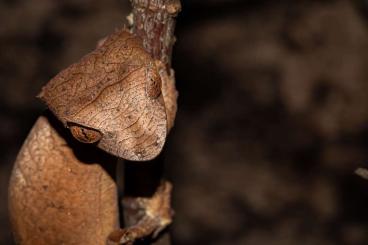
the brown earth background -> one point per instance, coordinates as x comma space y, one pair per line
273, 111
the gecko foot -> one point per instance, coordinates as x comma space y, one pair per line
144, 216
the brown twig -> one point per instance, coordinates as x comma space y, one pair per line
154, 22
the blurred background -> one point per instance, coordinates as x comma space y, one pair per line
272, 120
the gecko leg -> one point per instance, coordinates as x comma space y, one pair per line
145, 216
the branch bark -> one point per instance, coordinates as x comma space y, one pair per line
154, 22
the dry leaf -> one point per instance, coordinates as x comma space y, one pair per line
59, 191
112, 97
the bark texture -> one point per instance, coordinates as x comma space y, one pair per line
154, 22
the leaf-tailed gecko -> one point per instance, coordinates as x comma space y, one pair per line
117, 98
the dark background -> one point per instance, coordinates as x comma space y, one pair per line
272, 120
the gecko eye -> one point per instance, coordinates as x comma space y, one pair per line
84, 134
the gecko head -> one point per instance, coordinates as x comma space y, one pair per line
112, 97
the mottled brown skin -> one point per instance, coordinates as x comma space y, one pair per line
169, 93
144, 216
116, 91
58, 196
117, 98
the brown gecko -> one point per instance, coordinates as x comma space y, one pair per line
117, 98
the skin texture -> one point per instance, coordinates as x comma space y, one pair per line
62, 191
144, 216
57, 196
169, 93
113, 97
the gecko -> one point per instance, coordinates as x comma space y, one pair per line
116, 101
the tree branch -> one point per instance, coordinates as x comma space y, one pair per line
154, 22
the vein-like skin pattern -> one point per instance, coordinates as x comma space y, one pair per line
55, 198
112, 97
